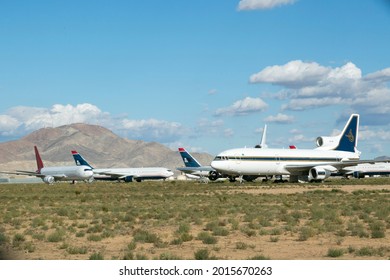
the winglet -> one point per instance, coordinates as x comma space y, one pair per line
38, 159
182, 150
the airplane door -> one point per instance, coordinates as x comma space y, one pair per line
277, 160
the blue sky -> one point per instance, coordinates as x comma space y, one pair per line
206, 75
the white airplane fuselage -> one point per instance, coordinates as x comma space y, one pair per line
142, 173
251, 161
69, 172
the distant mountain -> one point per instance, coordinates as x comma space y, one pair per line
384, 158
100, 146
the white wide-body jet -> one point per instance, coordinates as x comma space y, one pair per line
311, 164
365, 169
125, 174
49, 175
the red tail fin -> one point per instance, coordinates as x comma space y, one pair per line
39, 160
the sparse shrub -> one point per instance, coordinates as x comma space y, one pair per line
132, 245
335, 253
366, 251
62, 212
96, 256
18, 240
220, 231
146, 237
183, 228
202, 254
3, 238
249, 232
128, 256
77, 250
80, 233
378, 229
274, 238
305, 233
56, 236
259, 257
241, 245
29, 247
94, 237
207, 238
168, 256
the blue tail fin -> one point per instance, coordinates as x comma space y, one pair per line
349, 136
79, 159
189, 161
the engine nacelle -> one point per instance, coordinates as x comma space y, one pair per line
327, 143
358, 175
318, 174
214, 175
48, 179
128, 179
249, 178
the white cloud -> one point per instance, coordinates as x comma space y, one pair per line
209, 127
213, 91
308, 85
367, 134
262, 4
228, 132
18, 121
152, 130
294, 74
243, 107
8, 125
279, 118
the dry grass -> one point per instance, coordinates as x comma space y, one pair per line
343, 219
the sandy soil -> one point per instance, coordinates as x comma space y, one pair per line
286, 246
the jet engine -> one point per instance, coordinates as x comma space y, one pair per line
317, 174
128, 179
48, 179
327, 143
358, 175
214, 175
249, 178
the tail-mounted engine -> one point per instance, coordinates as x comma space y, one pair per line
327, 143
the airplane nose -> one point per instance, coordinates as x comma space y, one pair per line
217, 165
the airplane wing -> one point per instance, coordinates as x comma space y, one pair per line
32, 173
193, 169
113, 174
20, 172
337, 165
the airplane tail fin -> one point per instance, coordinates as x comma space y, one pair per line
264, 138
79, 159
38, 159
189, 160
349, 136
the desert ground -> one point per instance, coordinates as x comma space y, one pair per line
337, 219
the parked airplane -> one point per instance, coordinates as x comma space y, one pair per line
194, 170
365, 169
57, 173
125, 174
313, 164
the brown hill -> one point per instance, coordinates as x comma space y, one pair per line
100, 146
